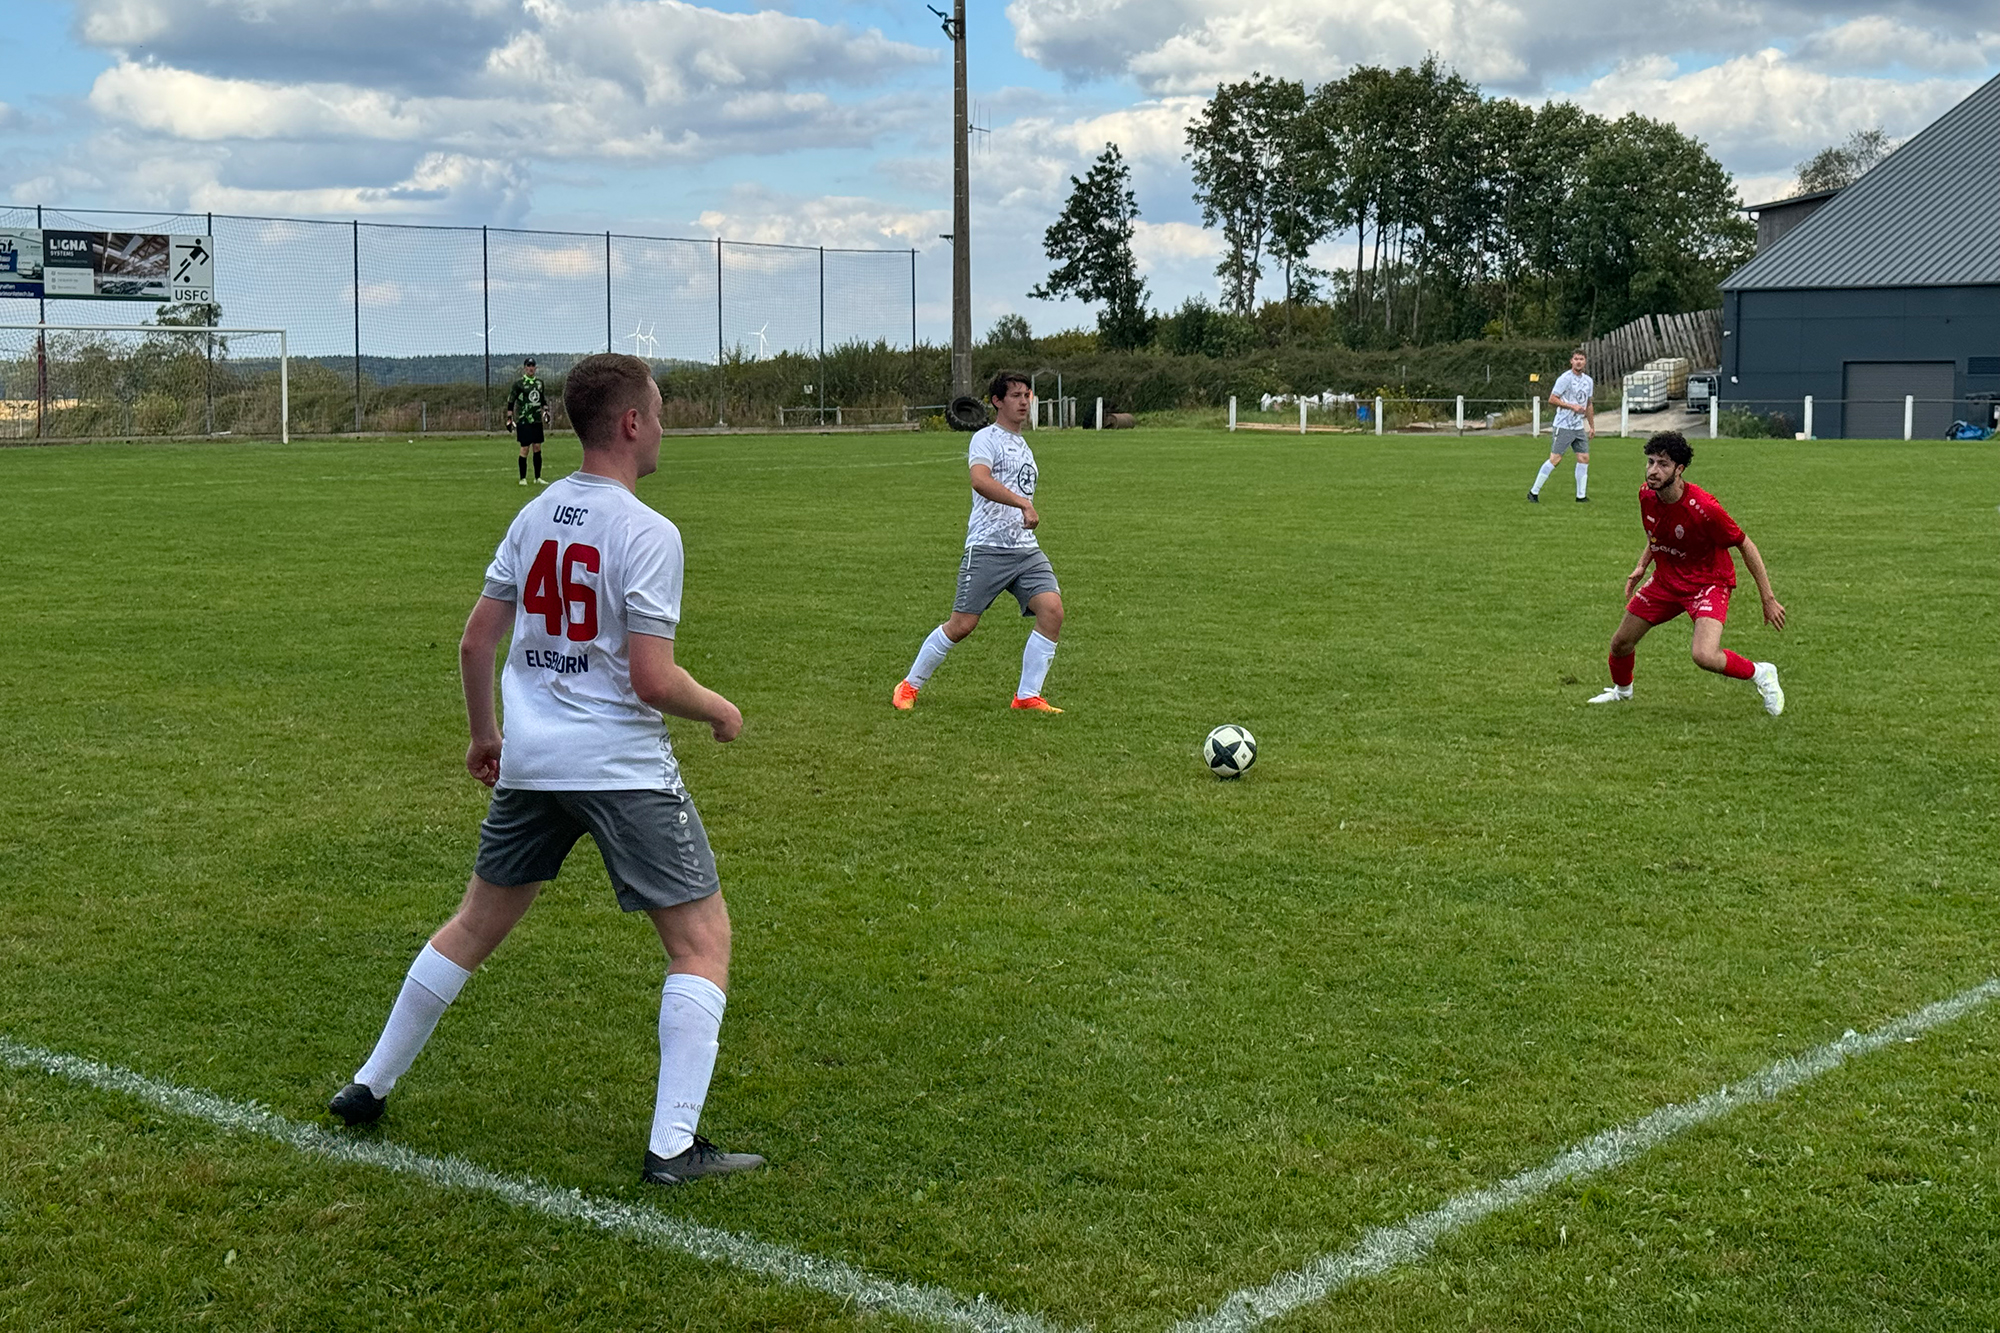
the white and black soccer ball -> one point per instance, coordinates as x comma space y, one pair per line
1229, 751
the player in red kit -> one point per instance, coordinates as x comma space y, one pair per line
1688, 536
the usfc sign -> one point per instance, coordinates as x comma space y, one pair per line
106, 265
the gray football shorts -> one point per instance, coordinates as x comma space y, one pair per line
1567, 439
988, 571
652, 842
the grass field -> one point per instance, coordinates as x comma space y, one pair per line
1023, 1006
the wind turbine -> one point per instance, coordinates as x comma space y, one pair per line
642, 336
763, 343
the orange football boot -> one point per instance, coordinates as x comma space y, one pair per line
905, 697
1035, 704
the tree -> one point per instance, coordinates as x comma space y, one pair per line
1012, 332
1843, 164
1246, 151
1090, 243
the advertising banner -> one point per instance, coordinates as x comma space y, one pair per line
106, 265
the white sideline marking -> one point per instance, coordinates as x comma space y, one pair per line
1383, 1248
932, 1305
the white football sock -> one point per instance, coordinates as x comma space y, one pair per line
1542, 477
928, 657
690, 1022
1035, 659
432, 983
1582, 474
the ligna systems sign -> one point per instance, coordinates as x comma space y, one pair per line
106, 265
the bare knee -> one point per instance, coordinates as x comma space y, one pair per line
1049, 618
696, 937
1710, 659
959, 625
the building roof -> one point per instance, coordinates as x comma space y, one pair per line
1793, 199
1927, 215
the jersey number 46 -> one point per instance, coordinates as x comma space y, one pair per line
564, 602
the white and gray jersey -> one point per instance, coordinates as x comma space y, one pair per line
586, 564
1013, 465
1572, 388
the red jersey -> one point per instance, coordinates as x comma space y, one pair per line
1689, 540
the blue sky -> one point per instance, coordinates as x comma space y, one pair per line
827, 122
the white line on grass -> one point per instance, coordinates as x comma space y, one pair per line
1384, 1248
932, 1305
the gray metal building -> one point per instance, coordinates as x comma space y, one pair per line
1890, 288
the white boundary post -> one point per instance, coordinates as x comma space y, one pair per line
1536, 431
1378, 414
1100, 414
1714, 411
1909, 413
1624, 413
1232, 411
284, 353
1461, 414
1808, 420
1302, 416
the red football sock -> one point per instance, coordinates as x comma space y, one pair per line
1736, 666
1621, 669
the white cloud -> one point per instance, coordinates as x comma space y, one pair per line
1878, 42
835, 221
1763, 112
1160, 243
1526, 46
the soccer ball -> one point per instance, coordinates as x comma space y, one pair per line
1229, 751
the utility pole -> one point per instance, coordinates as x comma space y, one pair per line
961, 210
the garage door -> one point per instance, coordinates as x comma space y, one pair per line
1875, 392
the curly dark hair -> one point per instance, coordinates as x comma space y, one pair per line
1673, 445
997, 388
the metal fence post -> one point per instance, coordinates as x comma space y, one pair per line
1808, 420
1909, 413
1461, 414
1378, 414
721, 382
1714, 411
1624, 412
1536, 431
1232, 411
822, 335
913, 324
357, 325
1302, 413
486, 323
607, 295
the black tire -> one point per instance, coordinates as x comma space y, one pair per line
967, 414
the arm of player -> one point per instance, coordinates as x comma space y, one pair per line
477, 648
1774, 614
1589, 411
666, 685
1638, 574
988, 485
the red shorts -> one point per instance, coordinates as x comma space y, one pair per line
1656, 605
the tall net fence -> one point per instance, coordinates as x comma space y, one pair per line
93, 383
405, 328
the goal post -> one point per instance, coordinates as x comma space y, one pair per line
78, 381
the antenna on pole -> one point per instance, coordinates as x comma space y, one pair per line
961, 209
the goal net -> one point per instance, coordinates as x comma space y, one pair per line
80, 382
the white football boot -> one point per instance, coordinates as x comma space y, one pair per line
1765, 678
1617, 694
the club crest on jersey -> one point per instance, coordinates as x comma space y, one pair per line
1679, 532
1026, 479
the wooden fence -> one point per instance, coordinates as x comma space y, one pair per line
1696, 336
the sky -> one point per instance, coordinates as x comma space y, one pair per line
828, 122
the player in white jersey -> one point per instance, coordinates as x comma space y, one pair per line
588, 579
1001, 552
1575, 424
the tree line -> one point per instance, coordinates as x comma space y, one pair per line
1468, 215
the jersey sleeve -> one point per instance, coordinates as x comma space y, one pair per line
980, 450
1725, 528
503, 581
653, 587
